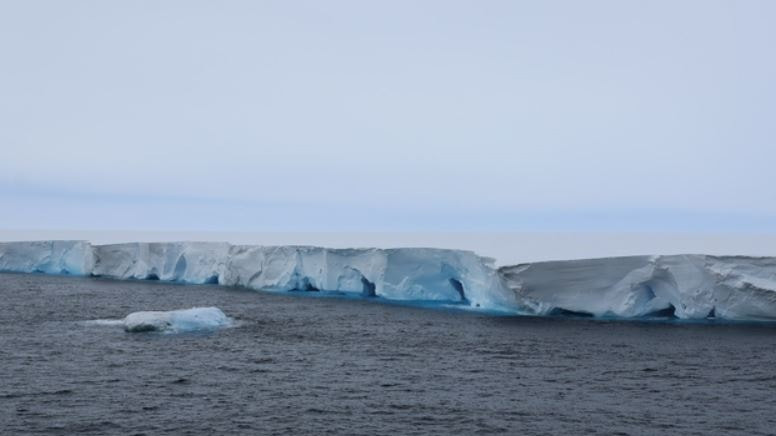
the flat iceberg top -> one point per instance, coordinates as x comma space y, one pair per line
689, 286
177, 321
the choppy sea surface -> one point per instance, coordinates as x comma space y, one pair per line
297, 364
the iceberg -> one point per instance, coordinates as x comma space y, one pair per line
49, 257
407, 274
177, 321
680, 286
397, 274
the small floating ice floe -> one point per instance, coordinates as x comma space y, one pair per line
173, 321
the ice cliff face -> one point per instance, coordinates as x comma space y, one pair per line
446, 276
49, 257
685, 286
682, 286
185, 262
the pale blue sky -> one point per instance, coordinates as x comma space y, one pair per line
388, 115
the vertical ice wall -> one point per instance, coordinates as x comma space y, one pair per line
683, 286
449, 276
50, 257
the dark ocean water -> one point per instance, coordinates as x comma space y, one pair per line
301, 365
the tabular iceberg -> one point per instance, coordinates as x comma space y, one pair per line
396, 274
682, 286
446, 276
49, 257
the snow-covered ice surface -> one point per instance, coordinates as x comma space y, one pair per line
681, 286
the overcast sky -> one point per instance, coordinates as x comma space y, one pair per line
388, 115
